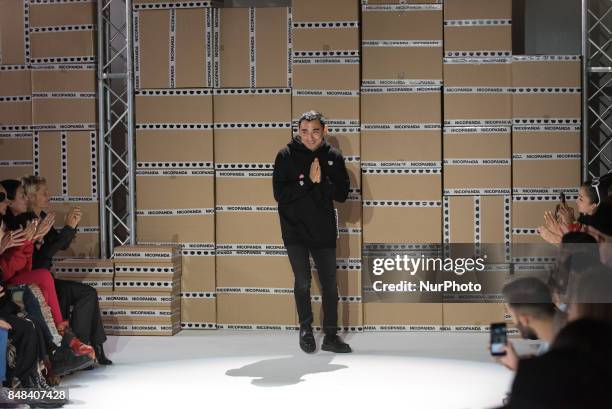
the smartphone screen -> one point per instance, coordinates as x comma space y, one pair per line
499, 338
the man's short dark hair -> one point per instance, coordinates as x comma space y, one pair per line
529, 296
312, 116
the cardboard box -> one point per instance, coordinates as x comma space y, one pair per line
468, 34
173, 4
396, 316
150, 300
174, 183
326, 73
350, 315
173, 48
420, 145
252, 106
15, 81
535, 169
472, 317
401, 184
537, 106
477, 219
152, 271
14, 33
477, 161
16, 148
335, 37
253, 266
172, 147
533, 71
401, 108
15, 169
68, 161
178, 226
477, 9
347, 140
406, 222
198, 269
244, 188
143, 329
247, 225
258, 147
175, 217
139, 284
67, 44
253, 47
401, 1
402, 44
256, 311
96, 273
62, 14
478, 72
198, 311
146, 315
15, 98
322, 10
146, 254
181, 108
64, 97
340, 107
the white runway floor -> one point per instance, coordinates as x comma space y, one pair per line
224, 369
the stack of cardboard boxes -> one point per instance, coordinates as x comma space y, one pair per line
545, 145
326, 67
252, 118
174, 76
476, 146
401, 145
48, 106
147, 284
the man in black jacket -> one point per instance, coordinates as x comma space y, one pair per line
308, 176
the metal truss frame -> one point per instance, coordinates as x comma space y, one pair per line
597, 91
116, 125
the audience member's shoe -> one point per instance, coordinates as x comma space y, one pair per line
79, 348
82, 349
37, 382
6, 402
307, 340
64, 361
333, 343
101, 356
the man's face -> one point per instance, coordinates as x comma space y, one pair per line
311, 134
522, 324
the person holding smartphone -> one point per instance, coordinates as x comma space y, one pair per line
308, 176
533, 312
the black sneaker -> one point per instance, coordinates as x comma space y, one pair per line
64, 361
333, 343
307, 340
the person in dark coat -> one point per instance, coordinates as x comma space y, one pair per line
309, 175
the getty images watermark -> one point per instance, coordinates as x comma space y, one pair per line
405, 264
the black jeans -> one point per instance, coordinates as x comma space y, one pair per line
325, 261
79, 303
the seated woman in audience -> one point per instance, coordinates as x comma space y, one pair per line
595, 208
16, 262
77, 301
